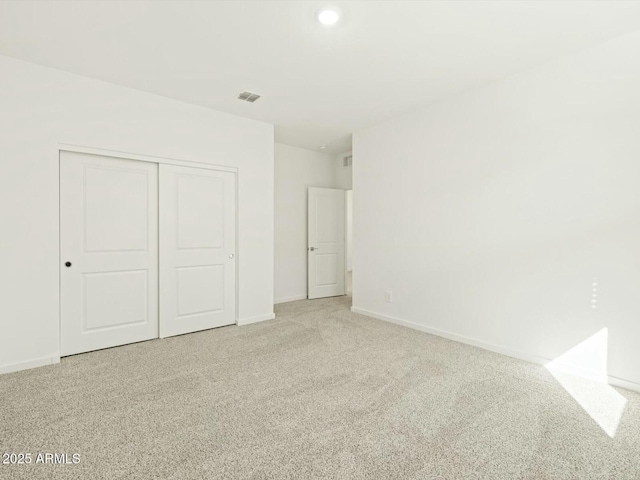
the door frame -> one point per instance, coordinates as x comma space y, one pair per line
66, 147
348, 244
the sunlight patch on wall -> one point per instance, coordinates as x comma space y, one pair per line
582, 372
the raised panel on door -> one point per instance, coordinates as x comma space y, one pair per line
197, 249
109, 239
326, 237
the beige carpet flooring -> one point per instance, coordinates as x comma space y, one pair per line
317, 393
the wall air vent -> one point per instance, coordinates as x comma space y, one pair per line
249, 97
347, 161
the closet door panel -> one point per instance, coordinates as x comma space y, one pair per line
108, 252
197, 249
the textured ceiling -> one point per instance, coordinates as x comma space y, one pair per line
318, 85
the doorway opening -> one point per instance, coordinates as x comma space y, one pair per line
349, 240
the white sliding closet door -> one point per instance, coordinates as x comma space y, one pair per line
109, 252
197, 249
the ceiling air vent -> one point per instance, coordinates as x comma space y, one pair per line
347, 161
249, 97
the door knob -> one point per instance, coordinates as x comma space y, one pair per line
231, 255
67, 264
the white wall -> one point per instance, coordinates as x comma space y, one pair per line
296, 169
344, 174
491, 215
40, 107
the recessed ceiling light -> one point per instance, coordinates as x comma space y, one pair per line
328, 16
323, 147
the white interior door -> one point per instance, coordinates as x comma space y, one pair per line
326, 243
197, 249
109, 252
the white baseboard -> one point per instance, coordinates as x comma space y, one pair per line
290, 299
622, 383
528, 357
259, 318
38, 362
